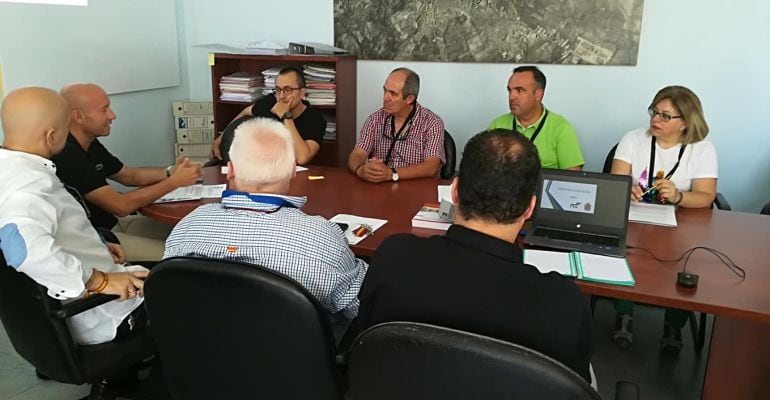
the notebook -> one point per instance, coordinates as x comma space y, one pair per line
581, 211
583, 266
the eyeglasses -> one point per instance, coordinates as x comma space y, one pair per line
287, 90
663, 116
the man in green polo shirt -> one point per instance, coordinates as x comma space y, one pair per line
552, 135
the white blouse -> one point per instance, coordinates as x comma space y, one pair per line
699, 159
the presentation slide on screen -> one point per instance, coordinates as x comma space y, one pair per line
569, 196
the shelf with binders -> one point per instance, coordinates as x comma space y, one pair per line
334, 151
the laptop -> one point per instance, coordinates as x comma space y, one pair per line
581, 211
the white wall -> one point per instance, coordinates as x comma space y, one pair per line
143, 134
719, 50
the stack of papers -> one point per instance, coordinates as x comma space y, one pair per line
241, 86
269, 76
266, 47
193, 192
321, 86
655, 214
354, 222
583, 266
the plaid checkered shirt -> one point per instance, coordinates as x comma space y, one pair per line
252, 228
421, 139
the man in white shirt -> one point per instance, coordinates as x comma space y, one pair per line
44, 232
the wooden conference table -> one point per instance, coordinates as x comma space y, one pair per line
739, 355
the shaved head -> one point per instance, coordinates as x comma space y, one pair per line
79, 94
35, 120
91, 113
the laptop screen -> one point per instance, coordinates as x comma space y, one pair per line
587, 201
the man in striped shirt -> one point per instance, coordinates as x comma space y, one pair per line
256, 222
401, 140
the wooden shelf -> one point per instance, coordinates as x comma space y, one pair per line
333, 152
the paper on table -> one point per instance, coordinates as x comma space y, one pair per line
547, 261
213, 191
193, 192
656, 214
594, 267
354, 222
298, 168
444, 192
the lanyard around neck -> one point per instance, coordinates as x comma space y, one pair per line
539, 126
396, 136
652, 162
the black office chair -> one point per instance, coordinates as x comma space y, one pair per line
36, 326
766, 209
608, 160
407, 360
450, 156
229, 330
228, 134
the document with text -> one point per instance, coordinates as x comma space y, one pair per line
193, 192
655, 214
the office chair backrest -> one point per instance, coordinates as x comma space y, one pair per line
229, 330
765, 209
406, 360
608, 161
227, 138
450, 156
38, 337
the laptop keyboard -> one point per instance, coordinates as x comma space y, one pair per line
577, 237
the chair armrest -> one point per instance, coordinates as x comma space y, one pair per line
720, 201
78, 306
626, 391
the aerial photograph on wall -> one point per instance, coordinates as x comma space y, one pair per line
594, 32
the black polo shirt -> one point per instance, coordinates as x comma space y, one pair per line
311, 124
469, 281
86, 171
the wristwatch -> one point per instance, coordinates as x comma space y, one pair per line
287, 115
394, 177
168, 170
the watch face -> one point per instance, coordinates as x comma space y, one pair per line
395, 176
287, 115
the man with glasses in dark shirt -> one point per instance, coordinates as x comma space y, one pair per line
403, 139
307, 125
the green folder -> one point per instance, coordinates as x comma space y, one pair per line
584, 266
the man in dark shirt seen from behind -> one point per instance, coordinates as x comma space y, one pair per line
473, 278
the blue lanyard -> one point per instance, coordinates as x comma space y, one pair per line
276, 201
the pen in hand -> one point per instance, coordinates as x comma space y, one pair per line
667, 177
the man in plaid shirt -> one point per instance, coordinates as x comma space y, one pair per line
401, 140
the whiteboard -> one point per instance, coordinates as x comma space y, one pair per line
122, 45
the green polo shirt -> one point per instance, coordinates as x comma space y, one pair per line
557, 143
